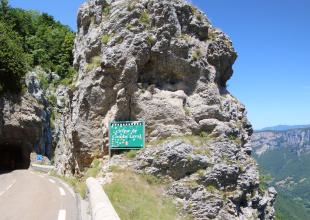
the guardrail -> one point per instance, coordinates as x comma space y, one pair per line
43, 168
101, 207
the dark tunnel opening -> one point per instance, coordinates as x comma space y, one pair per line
14, 157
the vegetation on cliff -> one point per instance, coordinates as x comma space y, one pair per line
12, 60
29, 39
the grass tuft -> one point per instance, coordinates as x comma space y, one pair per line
94, 169
95, 62
197, 54
106, 11
150, 40
105, 39
131, 154
145, 18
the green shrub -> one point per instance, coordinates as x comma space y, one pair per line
264, 181
199, 17
187, 111
52, 120
232, 137
211, 188
52, 99
95, 62
43, 81
94, 169
129, 26
114, 169
197, 13
151, 179
145, 18
212, 34
235, 138
201, 173
204, 134
150, 40
68, 79
202, 151
197, 54
105, 39
131, 5
185, 36
106, 11
81, 188
131, 154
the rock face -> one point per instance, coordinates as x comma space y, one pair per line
44, 145
214, 178
21, 129
160, 61
20, 120
164, 63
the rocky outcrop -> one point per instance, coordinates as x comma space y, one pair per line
20, 120
164, 63
160, 61
297, 140
215, 179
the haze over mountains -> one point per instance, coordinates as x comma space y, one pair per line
283, 127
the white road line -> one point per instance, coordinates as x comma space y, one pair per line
62, 191
52, 181
68, 188
62, 214
8, 188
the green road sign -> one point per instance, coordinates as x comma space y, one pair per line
126, 135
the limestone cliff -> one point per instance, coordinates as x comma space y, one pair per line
297, 140
163, 62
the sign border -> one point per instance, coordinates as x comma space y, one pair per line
127, 148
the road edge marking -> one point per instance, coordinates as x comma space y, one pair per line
8, 187
51, 180
62, 191
62, 214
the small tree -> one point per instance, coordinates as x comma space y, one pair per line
4, 8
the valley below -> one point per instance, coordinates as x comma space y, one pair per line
284, 160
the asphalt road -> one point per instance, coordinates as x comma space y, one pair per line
27, 195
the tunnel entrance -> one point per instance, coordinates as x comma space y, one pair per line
14, 157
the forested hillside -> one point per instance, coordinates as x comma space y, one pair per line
29, 39
284, 156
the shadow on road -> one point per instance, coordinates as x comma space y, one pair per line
6, 171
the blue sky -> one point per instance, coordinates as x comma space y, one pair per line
272, 38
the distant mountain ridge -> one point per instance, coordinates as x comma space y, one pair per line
283, 127
297, 140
